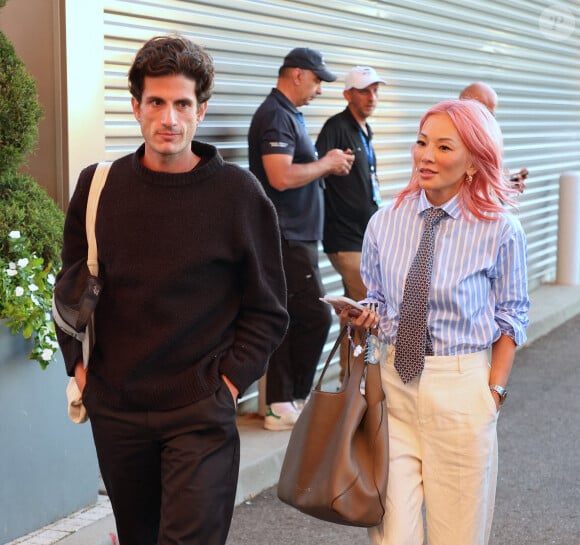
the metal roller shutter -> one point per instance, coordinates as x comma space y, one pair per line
428, 50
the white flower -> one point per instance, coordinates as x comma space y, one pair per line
31, 300
47, 354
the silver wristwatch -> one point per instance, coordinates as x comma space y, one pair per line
502, 392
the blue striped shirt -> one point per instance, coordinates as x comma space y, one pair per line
479, 285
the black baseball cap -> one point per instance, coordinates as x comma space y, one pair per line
309, 59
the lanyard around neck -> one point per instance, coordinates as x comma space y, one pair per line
372, 166
369, 149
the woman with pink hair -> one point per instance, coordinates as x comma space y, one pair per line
446, 264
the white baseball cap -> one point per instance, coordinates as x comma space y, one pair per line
361, 77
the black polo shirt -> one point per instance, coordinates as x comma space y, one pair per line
348, 199
276, 128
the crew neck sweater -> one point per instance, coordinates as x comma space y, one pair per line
193, 284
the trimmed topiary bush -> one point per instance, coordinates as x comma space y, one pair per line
26, 206
20, 110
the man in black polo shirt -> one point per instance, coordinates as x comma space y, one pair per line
351, 200
284, 159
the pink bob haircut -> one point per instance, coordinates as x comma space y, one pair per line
482, 137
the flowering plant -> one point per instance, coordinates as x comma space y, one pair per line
26, 285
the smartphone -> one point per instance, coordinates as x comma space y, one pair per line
523, 174
339, 303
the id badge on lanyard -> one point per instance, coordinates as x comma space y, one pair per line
373, 174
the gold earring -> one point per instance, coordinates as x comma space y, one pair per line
469, 178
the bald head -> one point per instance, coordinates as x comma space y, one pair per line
482, 93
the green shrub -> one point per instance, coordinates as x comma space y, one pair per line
25, 206
20, 110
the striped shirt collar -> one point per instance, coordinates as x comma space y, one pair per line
452, 206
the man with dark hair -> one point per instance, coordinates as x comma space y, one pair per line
193, 304
284, 159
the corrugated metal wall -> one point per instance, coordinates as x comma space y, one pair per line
428, 50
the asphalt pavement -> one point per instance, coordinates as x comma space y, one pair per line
538, 495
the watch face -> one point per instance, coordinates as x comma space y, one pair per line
502, 392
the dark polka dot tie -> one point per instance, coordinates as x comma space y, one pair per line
413, 339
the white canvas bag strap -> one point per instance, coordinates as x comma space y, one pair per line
97, 183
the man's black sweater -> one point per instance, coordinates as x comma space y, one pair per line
193, 281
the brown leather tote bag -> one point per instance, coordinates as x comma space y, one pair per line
337, 461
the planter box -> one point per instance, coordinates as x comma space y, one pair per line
48, 465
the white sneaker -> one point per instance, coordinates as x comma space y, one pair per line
299, 404
281, 416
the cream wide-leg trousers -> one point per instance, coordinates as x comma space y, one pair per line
443, 452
